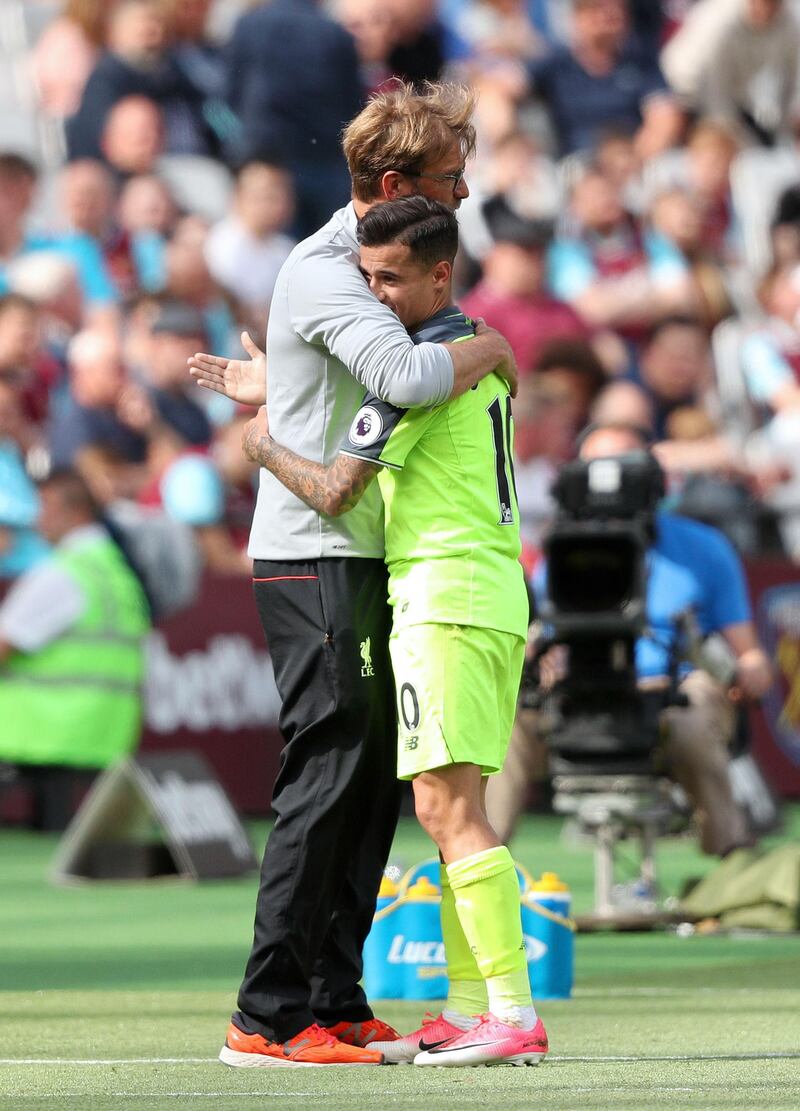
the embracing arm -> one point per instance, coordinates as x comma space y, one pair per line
330, 305
488, 351
332, 490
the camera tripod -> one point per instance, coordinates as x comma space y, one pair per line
613, 809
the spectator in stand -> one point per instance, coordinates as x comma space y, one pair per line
672, 395
147, 214
182, 477
675, 370
25, 365
677, 225
191, 490
785, 229
738, 60
550, 409
710, 151
138, 62
522, 176
371, 25
603, 80
293, 79
494, 41
616, 158
247, 248
239, 475
490, 31
188, 279
137, 336
87, 431
771, 354
50, 281
20, 544
147, 205
88, 205
606, 270
17, 186
623, 402
133, 136
771, 364
193, 50
512, 295
176, 331
66, 53
417, 55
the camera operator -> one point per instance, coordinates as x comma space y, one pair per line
689, 566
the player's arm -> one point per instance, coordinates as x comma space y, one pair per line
488, 352
331, 490
330, 304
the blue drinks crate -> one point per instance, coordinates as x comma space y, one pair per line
404, 953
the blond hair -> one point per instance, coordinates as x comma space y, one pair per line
405, 129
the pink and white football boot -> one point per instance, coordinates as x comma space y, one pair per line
433, 1033
490, 1042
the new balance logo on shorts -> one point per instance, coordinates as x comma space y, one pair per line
411, 744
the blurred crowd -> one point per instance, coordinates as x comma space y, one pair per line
633, 228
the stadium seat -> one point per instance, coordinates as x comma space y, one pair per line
738, 412
45, 213
199, 185
758, 178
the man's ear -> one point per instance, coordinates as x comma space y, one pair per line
394, 185
442, 273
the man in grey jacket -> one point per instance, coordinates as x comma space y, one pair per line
320, 587
737, 60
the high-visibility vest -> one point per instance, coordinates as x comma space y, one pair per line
77, 701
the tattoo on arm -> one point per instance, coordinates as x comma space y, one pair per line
331, 490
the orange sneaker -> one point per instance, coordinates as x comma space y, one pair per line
363, 1033
312, 1046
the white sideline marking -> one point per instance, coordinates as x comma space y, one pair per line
107, 1060
101, 1061
226, 1095
622, 993
645, 1057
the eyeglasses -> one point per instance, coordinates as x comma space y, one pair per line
456, 177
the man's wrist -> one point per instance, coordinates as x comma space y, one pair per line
265, 450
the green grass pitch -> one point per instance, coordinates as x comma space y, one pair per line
117, 996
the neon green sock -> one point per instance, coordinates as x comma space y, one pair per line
486, 894
466, 993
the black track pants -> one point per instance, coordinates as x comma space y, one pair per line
336, 796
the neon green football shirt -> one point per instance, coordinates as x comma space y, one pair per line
452, 520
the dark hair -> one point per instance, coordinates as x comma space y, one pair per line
428, 228
572, 354
267, 162
16, 166
74, 491
644, 435
17, 301
676, 320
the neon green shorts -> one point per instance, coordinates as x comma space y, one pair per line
457, 688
